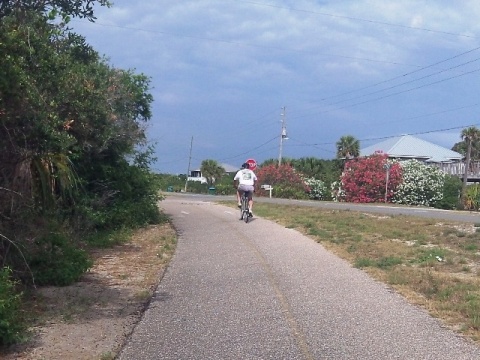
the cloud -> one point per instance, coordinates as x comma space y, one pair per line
217, 65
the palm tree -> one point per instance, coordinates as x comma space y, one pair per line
211, 170
348, 147
461, 147
470, 136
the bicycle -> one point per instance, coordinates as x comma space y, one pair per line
244, 210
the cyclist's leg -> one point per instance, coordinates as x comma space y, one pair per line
239, 196
241, 193
240, 202
250, 202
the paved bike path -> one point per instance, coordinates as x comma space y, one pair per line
260, 291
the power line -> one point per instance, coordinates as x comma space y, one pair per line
411, 81
356, 19
393, 136
432, 114
404, 75
249, 151
390, 95
283, 49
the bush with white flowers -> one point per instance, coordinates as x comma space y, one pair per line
337, 193
421, 185
318, 189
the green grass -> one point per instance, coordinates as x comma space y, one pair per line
431, 263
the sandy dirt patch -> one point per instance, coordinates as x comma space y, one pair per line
92, 318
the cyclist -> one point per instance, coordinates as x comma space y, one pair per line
244, 181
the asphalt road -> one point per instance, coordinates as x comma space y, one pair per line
260, 291
389, 209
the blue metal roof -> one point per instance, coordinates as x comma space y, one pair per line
410, 147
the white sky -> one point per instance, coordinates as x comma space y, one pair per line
222, 70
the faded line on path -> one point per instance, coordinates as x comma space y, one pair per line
292, 323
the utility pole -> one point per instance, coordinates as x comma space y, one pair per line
283, 135
189, 162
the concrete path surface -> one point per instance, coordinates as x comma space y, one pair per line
260, 291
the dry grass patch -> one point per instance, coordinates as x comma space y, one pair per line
432, 264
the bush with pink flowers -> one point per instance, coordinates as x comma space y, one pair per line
286, 182
364, 179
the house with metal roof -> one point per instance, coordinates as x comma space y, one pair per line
409, 147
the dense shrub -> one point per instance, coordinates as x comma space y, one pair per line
224, 189
177, 182
452, 188
224, 185
364, 179
421, 184
327, 171
10, 322
286, 182
126, 197
286, 191
472, 198
56, 261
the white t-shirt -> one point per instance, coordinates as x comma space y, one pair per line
245, 177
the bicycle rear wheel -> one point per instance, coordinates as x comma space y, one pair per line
246, 212
246, 216
242, 207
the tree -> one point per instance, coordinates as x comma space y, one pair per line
470, 136
285, 160
348, 147
310, 166
462, 147
326, 170
64, 8
211, 170
72, 139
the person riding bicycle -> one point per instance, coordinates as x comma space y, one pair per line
244, 181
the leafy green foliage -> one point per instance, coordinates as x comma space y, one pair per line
176, 183
452, 188
56, 261
225, 185
211, 170
472, 197
52, 8
348, 147
10, 300
75, 155
108, 238
112, 203
470, 136
326, 171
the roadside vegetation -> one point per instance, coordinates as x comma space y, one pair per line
433, 264
74, 161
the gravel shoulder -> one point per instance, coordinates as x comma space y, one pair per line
92, 318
